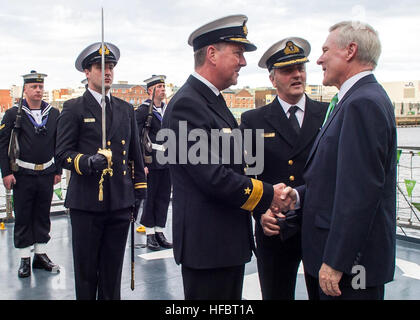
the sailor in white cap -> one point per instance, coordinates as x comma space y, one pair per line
30, 170
212, 202
149, 120
290, 123
100, 223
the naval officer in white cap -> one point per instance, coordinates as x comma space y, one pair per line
212, 203
99, 224
290, 123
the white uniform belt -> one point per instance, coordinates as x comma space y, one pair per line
34, 166
158, 147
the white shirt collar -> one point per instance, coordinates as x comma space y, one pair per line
98, 96
286, 106
350, 83
160, 110
206, 82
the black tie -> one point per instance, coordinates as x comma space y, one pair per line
108, 112
293, 120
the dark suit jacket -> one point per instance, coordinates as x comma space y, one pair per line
210, 228
285, 153
349, 199
79, 135
141, 115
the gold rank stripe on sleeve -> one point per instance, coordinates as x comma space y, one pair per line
255, 196
76, 164
2, 126
140, 185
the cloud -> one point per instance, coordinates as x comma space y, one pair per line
152, 35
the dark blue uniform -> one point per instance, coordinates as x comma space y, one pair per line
99, 228
212, 231
285, 155
33, 190
155, 210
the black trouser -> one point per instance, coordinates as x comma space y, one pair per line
213, 284
99, 240
155, 210
278, 264
347, 292
32, 196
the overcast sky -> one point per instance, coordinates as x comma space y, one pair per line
47, 36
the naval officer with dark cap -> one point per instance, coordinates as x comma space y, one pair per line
212, 203
33, 174
155, 209
290, 123
100, 201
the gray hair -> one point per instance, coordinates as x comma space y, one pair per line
200, 54
366, 38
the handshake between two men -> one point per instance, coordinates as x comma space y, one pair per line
284, 199
278, 221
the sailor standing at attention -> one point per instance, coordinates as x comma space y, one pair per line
104, 186
155, 210
33, 173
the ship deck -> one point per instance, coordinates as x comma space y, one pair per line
157, 276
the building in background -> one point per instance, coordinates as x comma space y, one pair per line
264, 96
134, 94
6, 100
405, 96
238, 101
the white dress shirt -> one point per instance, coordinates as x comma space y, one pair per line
300, 111
98, 96
206, 82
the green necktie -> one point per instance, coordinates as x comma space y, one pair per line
330, 108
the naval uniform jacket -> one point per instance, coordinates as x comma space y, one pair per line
79, 135
285, 153
34, 148
211, 202
141, 115
349, 200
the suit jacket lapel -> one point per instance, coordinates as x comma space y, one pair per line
93, 107
369, 78
213, 102
279, 121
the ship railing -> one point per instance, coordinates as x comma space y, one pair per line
408, 191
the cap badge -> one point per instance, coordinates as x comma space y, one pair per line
245, 30
106, 50
291, 48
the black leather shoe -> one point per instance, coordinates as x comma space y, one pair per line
160, 237
41, 261
152, 244
25, 268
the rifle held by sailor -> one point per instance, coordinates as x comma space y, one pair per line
14, 149
145, 139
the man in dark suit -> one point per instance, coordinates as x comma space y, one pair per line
212, 198
155, 209
290, 123
349, 214
104, 184
33, 174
